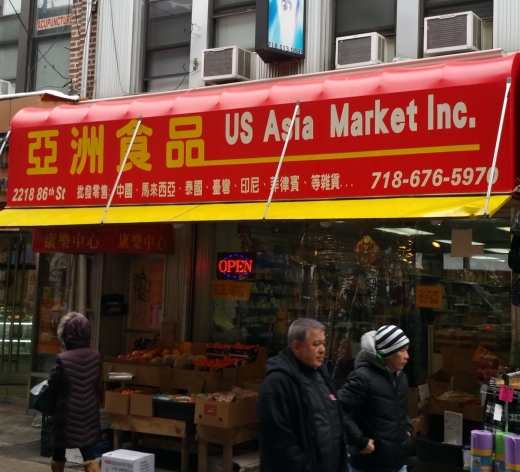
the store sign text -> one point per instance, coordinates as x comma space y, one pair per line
408, 143
235, 266
118, 239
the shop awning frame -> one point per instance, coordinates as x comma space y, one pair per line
374, 208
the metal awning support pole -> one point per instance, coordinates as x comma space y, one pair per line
273, 185
6, 140
121, 168
491, 173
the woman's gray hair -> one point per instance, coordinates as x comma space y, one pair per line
299, 328
64, 320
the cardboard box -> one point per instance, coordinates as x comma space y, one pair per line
465, 375
141, 404
116, 402
219, 381
469, 411
440, 381
413, 402
224, 414
419, 426
253, 385
443, 379
129, 461
144, 373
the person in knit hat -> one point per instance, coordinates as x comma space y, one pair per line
375, 400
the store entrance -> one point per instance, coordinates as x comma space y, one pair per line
17, 291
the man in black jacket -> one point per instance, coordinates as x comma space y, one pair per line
300, 420
375, 398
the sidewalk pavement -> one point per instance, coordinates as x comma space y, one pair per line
20, 446
20, 449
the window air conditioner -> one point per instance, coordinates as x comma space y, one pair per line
360, 50
228, 64
6, 88
446, 34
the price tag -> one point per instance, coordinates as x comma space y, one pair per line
497, 415
506, 394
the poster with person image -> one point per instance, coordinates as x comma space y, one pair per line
286, 26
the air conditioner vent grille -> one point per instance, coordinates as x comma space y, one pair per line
244, 63
355, 50
219, 62
446, 32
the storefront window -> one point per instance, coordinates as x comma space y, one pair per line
365, 16
356, 276
482, 8
234, 23
54, 285
52, 46
168, 46
17, 291
9, 34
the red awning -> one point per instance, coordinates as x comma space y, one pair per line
396, 132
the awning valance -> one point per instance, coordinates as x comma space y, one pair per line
414, 207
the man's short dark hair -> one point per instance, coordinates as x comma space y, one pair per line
299, 328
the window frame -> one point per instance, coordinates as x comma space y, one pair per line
240, 8
149, 50
387, 30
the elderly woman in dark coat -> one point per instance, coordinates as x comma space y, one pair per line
75, 378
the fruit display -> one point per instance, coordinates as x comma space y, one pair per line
173, 358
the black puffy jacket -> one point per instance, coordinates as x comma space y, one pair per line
376, 402
288, 434
75, 379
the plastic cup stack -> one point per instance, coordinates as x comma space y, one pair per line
481, 451
512, 444
500, 452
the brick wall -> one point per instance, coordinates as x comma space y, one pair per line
77, 40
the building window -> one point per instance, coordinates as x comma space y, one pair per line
9, 34
234, 23
168, 45
482, 8
50, 69
365, 16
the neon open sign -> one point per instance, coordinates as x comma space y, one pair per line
235, 266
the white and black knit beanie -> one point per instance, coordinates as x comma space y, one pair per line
390, 339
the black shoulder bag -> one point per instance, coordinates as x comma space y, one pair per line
45, 401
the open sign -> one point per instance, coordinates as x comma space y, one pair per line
235, 266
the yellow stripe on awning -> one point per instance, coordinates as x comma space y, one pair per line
374, 208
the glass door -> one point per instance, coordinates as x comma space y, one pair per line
17, 294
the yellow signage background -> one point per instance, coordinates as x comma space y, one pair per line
429, 296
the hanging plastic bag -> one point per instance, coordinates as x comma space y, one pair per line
37, 388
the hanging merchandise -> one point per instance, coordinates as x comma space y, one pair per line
513, 258
515, 223
367, 249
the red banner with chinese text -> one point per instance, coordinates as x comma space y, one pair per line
119, 239
417, 131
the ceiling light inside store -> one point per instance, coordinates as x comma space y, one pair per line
435, 244
436, 222
405, 231
178, 225
448, 241
498, 250
487, 257
325, 224
504, 228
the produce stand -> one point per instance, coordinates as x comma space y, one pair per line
160, 426
227, 438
